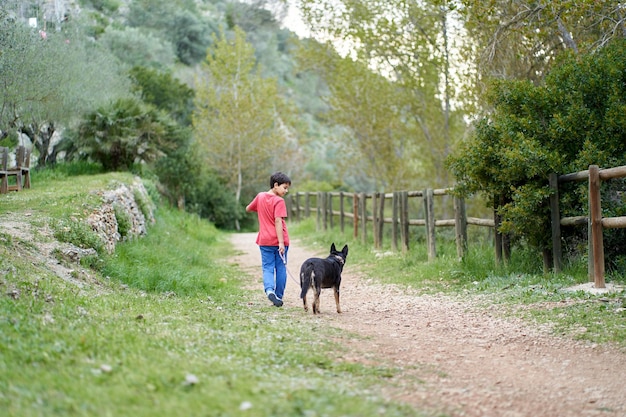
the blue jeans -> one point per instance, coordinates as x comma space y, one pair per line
274, 270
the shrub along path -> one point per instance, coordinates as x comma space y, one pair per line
454, 355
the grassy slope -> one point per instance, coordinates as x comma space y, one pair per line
167, 330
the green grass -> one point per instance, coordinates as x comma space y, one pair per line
163, 327
520, 288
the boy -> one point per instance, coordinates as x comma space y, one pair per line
273, 239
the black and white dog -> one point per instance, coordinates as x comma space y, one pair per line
318, 273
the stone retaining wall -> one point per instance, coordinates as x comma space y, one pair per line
133, 203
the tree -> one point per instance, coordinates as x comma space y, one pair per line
238, 115
576, 119
48, 83
521, 39
409, 43
373, 109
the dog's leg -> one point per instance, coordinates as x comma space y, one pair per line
306, 280
306, 307
316, 301
337, 299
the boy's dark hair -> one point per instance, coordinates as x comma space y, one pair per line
280, 178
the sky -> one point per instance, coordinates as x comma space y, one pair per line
294, 22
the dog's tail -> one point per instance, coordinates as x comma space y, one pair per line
306, 277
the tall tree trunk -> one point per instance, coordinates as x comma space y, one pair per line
238, 192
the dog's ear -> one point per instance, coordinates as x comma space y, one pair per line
333, 248
345, 250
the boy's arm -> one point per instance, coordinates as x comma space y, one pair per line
251, 207
278, 223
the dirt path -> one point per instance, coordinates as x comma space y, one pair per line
455, 358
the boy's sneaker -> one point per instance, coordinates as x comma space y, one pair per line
274, 299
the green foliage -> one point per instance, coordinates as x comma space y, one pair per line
49, 83
69, 169
576, 119
316, 186
125, 133
178, 22
135, 47
212, 200
190, 35
238, 119
524, 41
165, 92
373, 108
393, 93
105, 6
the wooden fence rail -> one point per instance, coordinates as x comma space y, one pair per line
355, 206
594, 221
300, 206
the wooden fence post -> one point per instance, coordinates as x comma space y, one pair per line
375, 219
404, 220
460, 227
590, 267
318, 210
298, 212
497, 235
429, 213
363, 203
324, 205
381, 218
555, 221
596, 226
394, 221
289, 207
342, 217
329, 207
355, 211
307, 204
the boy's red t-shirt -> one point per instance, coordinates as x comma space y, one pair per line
268, 207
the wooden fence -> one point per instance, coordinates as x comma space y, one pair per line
594, 221
355, 206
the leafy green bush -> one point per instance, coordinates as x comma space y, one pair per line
576, 119
125, 133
